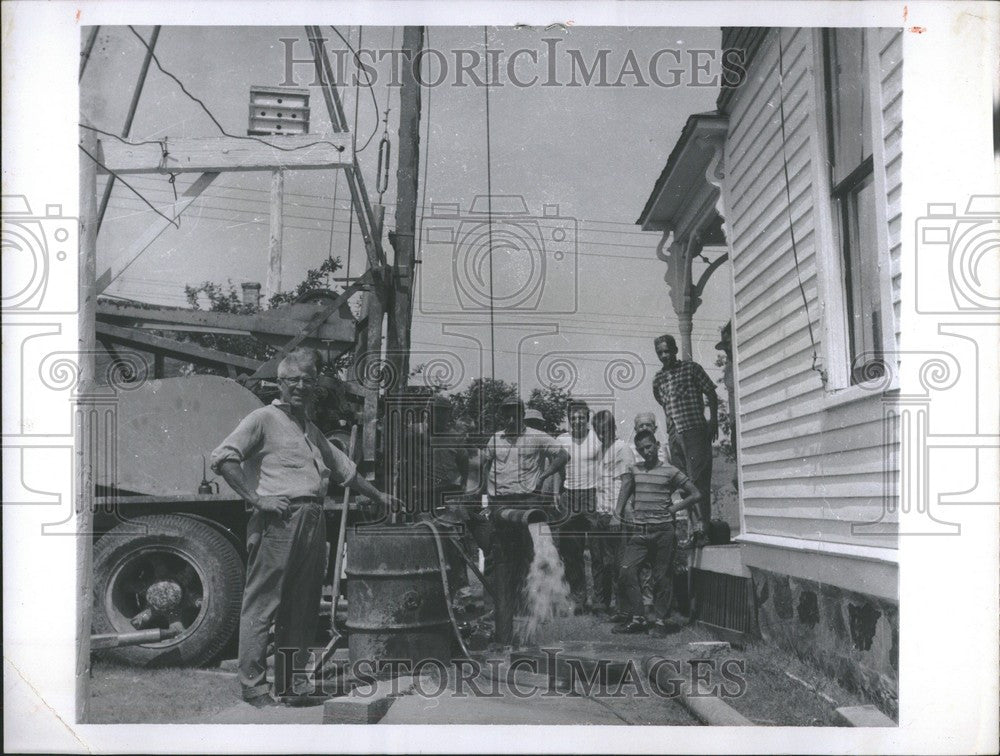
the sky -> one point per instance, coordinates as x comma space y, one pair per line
578, 291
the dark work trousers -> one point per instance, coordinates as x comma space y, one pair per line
578, 519
511, 553
474, 530
691, 452
605, 557
285, 567
655, 543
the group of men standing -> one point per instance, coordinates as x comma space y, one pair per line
620, 501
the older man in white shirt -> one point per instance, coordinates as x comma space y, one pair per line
280, 463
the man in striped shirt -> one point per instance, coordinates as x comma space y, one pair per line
651, 531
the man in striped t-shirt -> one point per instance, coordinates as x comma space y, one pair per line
652, 536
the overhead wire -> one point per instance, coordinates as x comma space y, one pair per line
368, 83
357, 89
171, 221
489, 227
204, 107
788, 207
427, 157
529, 218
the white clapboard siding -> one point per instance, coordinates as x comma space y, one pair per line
890, 46
811, 469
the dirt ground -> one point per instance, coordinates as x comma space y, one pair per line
778, 690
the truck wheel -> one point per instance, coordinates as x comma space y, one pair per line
179, 573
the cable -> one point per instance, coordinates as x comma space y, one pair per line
119, 137
357, 84
338, 147
172, 222
788, 206
489, 231
643, 234
427, 160
368, 83
442, 565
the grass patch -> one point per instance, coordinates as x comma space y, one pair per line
129, 695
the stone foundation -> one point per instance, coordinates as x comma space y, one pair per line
853, 637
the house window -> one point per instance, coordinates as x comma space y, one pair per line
849, 141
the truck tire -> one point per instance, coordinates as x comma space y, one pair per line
178, 572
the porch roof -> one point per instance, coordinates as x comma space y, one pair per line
684, 171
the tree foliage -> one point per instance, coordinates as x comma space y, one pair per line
551, 402
480, 401
215, 297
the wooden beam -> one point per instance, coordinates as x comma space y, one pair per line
129, 117
84, 432
157, 227
216, 154
87, 48
275, 234
161, 346
355, 181
271, 322
338, 120
317, 320
699, 288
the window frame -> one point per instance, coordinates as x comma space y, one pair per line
835, 299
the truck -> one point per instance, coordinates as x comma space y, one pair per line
169, 548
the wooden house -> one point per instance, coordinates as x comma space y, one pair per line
795, 181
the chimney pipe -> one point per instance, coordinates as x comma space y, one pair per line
251, 293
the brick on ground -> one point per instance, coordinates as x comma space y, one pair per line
356, 708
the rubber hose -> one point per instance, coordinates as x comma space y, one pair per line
444, 582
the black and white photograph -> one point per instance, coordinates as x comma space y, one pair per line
491, 368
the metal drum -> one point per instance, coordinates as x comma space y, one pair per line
395, 599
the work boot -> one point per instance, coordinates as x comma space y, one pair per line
262, 701
635, 626
663, 628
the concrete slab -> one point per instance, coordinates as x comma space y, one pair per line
499, 711
244, 713
862, 716
714, 711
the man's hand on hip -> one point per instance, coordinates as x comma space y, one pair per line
278, 504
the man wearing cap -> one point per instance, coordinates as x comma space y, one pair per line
681, 388
514, 472
280, 463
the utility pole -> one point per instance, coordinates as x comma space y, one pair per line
403, 239
276, 231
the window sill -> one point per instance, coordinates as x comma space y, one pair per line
858, 392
